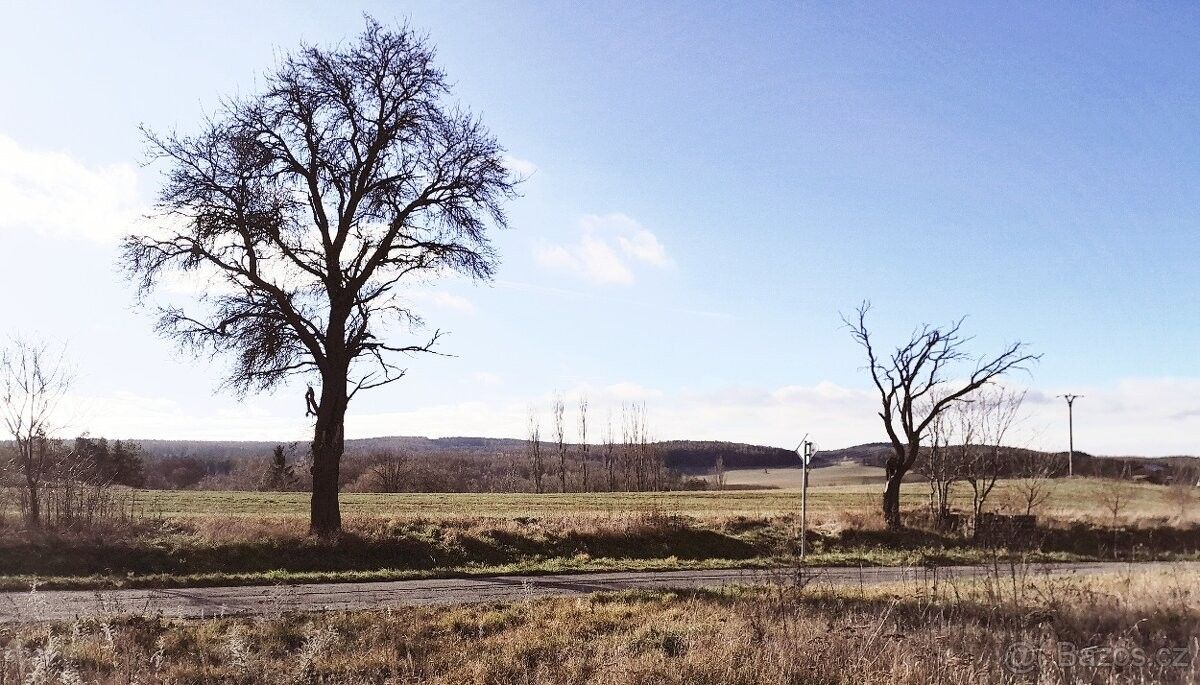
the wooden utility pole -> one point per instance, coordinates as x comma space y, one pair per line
806, 449
1070, 432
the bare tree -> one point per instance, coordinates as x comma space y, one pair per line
1182, 490
1033, 481
985, 418
1114, 495
537, 463
33, 382
629, 441
307, 207
610, 459
391, 474
558, 412
583, 443
916, 369
938, 463
635, 450
718, 474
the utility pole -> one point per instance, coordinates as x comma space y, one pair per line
1070, 431
806, 449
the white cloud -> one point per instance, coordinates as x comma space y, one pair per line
55, 194
591, 258
608, 247
644, 246
522, 168
128, 415
443, 300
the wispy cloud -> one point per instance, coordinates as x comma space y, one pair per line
521, 168
609, 248
443, 300
54, 193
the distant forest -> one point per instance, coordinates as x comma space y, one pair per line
466, 464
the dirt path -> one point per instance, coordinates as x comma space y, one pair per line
259, 600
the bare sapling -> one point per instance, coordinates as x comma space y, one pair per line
938, 463
610, 457
583, 443
718, 474
985, 422
33, 382
533, 449
1114, 494
1033, 481
560, 440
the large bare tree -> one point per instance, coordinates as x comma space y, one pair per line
921, 368
308, 207
33, 381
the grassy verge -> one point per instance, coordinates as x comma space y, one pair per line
1001, 629
240, 551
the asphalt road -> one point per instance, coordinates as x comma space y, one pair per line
269, 600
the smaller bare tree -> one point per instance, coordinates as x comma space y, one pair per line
985, 420
1033, 481
1114, 494
629, 441
560, 440
610, 456
583, 443
33, 382
391, 474
1182, 490
537, 463
938, 463
718, 474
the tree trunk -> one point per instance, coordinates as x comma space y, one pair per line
35, 506
327, 447
34, 515
891, 502
896, 466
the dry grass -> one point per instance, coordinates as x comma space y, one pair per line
789, 632
221, 538
1076, 499
239, 550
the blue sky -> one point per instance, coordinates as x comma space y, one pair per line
711, 185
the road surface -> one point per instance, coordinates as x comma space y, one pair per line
270, 600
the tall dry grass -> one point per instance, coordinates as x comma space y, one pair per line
792, 631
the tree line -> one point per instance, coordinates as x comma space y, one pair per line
625, 459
